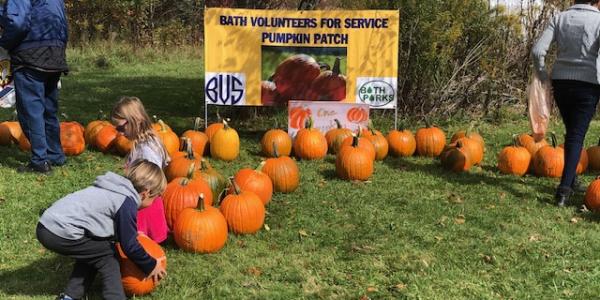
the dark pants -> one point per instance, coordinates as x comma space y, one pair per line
37, 108
91, 257
576, 101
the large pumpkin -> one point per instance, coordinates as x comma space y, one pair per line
169, 138
72, 138
5, 137
354, 162
430, 141
10, 132
402, 143
284, 173
183, 192
474, 148
583, 163
255, 181
106, 137
380, 144
93, 127
133, 279
336, 136
215, 180
594, 157
201, 230
456, 157
276, 137
549, 161
243, 210
330, 85
225, 144
527, 141
363, 143
514, 160
198, 138
123, 145
180, 166
469, 134
310, 143
294, 76
592, 196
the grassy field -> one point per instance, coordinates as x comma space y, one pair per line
414, 231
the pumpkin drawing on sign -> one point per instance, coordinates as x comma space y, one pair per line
357, 115
299, 116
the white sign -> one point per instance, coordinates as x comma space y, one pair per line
324, 114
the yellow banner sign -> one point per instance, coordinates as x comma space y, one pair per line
269, 57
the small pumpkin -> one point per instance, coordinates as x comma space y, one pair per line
169, 139
549, 161
474, 148
514, 160
469, 134
330, 85
123, 145
276, 137
430, 141
310, 143
215, 180
72, 138
283, 171
402, 143
198, 138
456, 157
5, 136
594, 157
133, 279
24, 143
528, 141
200, 230
243, 210
159, 125
180, 165
294, 76
336, 136
12, 132
225, 144
105, 138
183, 192
354, 162
363, 143
380, 144
255, 181
592, 196
92, 128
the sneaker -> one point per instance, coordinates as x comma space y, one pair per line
62, 296
33, 168
563, 194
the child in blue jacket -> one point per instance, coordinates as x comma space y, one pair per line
84, 225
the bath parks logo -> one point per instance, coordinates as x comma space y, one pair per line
376, 92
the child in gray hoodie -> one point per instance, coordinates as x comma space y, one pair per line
84, 225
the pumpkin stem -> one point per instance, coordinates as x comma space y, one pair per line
260, 166
515, 140
188, 147
163, 126
359, 134
101, 115
197, 123
155, 118
309, 123
226, 124
236, 187
336, 66
201, 206
65, 116
553, 137
204, 165
338, 124
275, 152
427, 123
355, 141
190, 173
218, 115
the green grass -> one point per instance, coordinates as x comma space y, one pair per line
414, 231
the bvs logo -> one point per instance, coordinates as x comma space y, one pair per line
225, 88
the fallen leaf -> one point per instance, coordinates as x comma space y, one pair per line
534, 238
2, 200
459, 220
568, 271
454, 198
425, 263
254, 271
371, 289
302, 233
267, 228
439, 238
574, 220
241, 243
502, 195
365, 297
442, 221
400, 286
490, 259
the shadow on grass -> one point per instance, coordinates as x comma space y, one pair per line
12, 157
41, 277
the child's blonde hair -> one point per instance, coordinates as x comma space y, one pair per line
147, 176
131, 109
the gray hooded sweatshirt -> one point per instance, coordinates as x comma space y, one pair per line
105, 210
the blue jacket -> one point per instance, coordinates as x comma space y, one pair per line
33, 24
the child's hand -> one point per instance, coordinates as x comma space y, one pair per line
159, 271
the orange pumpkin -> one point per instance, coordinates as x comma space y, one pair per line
255, 181
592, 196
5, 136
594, 157
134, 280
474, 148
180, 166
225, 144
201, 230
336, 136
123, 145
72, 138
284, 173
402, 143
527, 141
430, 141
469, 134
243, 210
583, 163
183, 192
354, 162
549, 161
93, 127
106, 137
198, 138
330, 85
514, 159
363, 143
456, 157
310, 143
380, 144
215, 180
168, 137
294, 76
276, 137
15, 133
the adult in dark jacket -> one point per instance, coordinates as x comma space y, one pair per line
36, 34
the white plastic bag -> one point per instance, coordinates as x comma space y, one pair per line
540, 106
7, 88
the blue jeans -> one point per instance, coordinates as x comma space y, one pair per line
37, 108
576, 101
